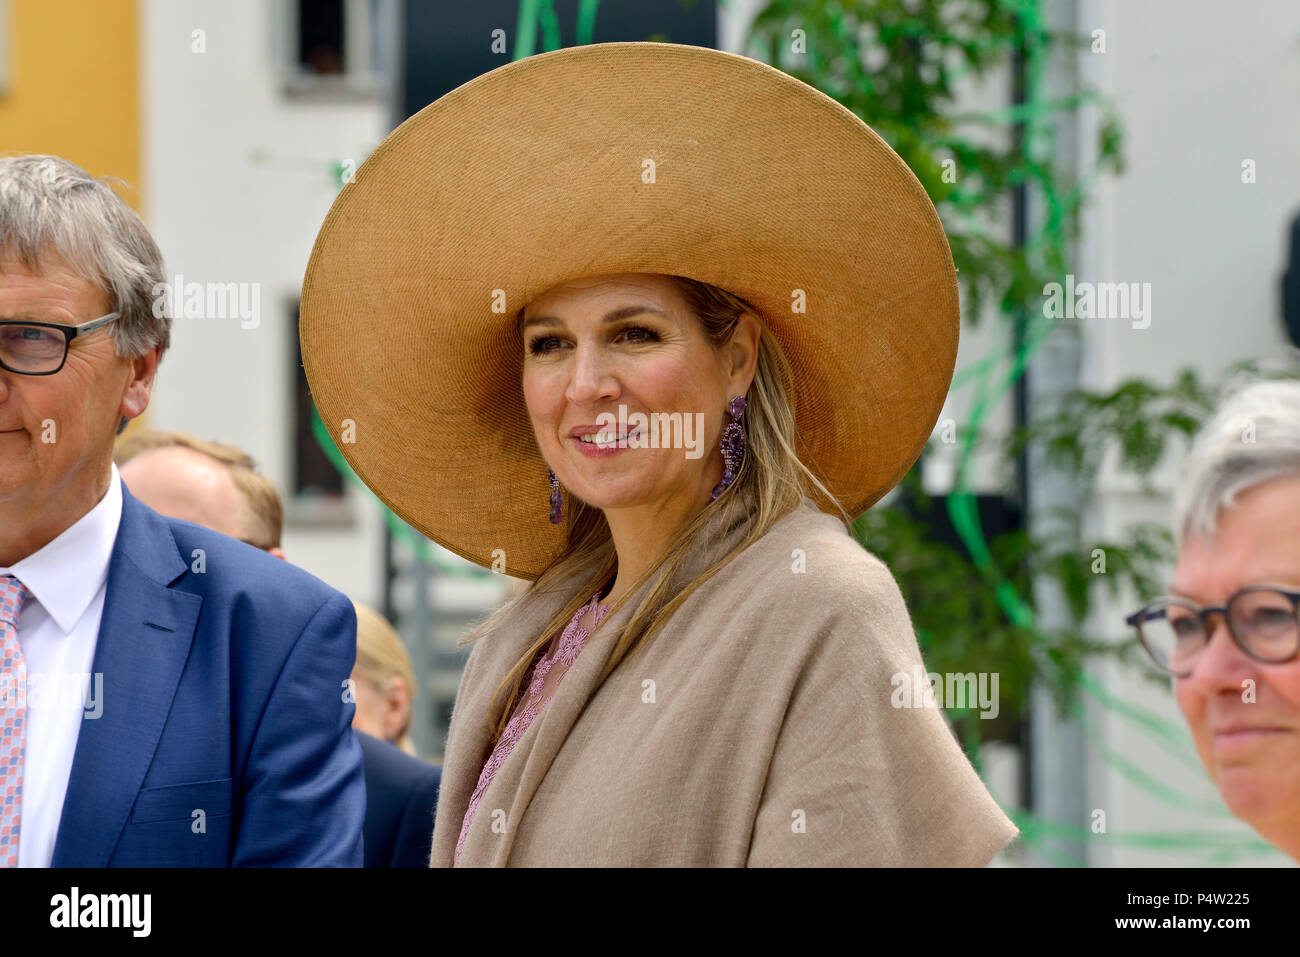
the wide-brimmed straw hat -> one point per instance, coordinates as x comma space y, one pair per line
617, 158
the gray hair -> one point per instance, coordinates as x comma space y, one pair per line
48, 204
1254, 437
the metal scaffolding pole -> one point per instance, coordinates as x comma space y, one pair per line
1056, 758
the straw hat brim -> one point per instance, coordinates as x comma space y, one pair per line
535, 174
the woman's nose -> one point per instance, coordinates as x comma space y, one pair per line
1222, 661
590, 376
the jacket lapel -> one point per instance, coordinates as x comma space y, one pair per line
144, 639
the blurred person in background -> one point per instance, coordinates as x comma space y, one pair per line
385, 681
208, 483
218, 485
401, 789
214, 668
1229, 631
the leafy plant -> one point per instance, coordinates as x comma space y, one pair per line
897, 65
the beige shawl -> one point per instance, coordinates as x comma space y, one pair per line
755, 729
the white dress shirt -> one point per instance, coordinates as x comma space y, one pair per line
58, 629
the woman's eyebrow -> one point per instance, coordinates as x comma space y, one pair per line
1265, 579
613, 316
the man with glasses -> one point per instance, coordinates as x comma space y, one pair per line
218, 734
1229, 631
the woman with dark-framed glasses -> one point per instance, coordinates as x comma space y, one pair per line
1229, 631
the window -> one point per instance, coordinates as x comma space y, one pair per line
337, 48
321, 49
317, 487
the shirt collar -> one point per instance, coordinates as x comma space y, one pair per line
69, 571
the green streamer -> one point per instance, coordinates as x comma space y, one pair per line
526, 29
587, 21
533, 13
550, 25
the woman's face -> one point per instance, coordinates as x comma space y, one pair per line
1244, 715
593, 346
381, 712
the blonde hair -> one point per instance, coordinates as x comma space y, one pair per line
772, 481
381, 657
258, 491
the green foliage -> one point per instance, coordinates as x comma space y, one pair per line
897, 65
960, 624
1139, 419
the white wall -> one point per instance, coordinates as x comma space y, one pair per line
238, 183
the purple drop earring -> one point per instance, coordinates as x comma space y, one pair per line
733, 445
557, 503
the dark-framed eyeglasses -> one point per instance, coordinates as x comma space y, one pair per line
41, 348
1264, 621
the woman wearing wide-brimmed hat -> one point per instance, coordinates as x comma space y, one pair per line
703, 671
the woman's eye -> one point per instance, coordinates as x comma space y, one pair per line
544, 344
1271, 617
540, 344
641, 334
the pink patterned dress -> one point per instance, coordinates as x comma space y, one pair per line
539, 684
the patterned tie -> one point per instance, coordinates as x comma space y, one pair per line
13, 714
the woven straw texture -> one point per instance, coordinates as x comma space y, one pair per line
531, 175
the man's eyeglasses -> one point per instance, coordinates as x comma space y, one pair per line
41, 348
1264, 621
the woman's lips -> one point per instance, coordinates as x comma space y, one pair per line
1240, 739
594, 451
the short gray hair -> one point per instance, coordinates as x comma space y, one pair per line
48, 204
1254, 437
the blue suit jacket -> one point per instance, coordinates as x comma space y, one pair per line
401, 796
225, 738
